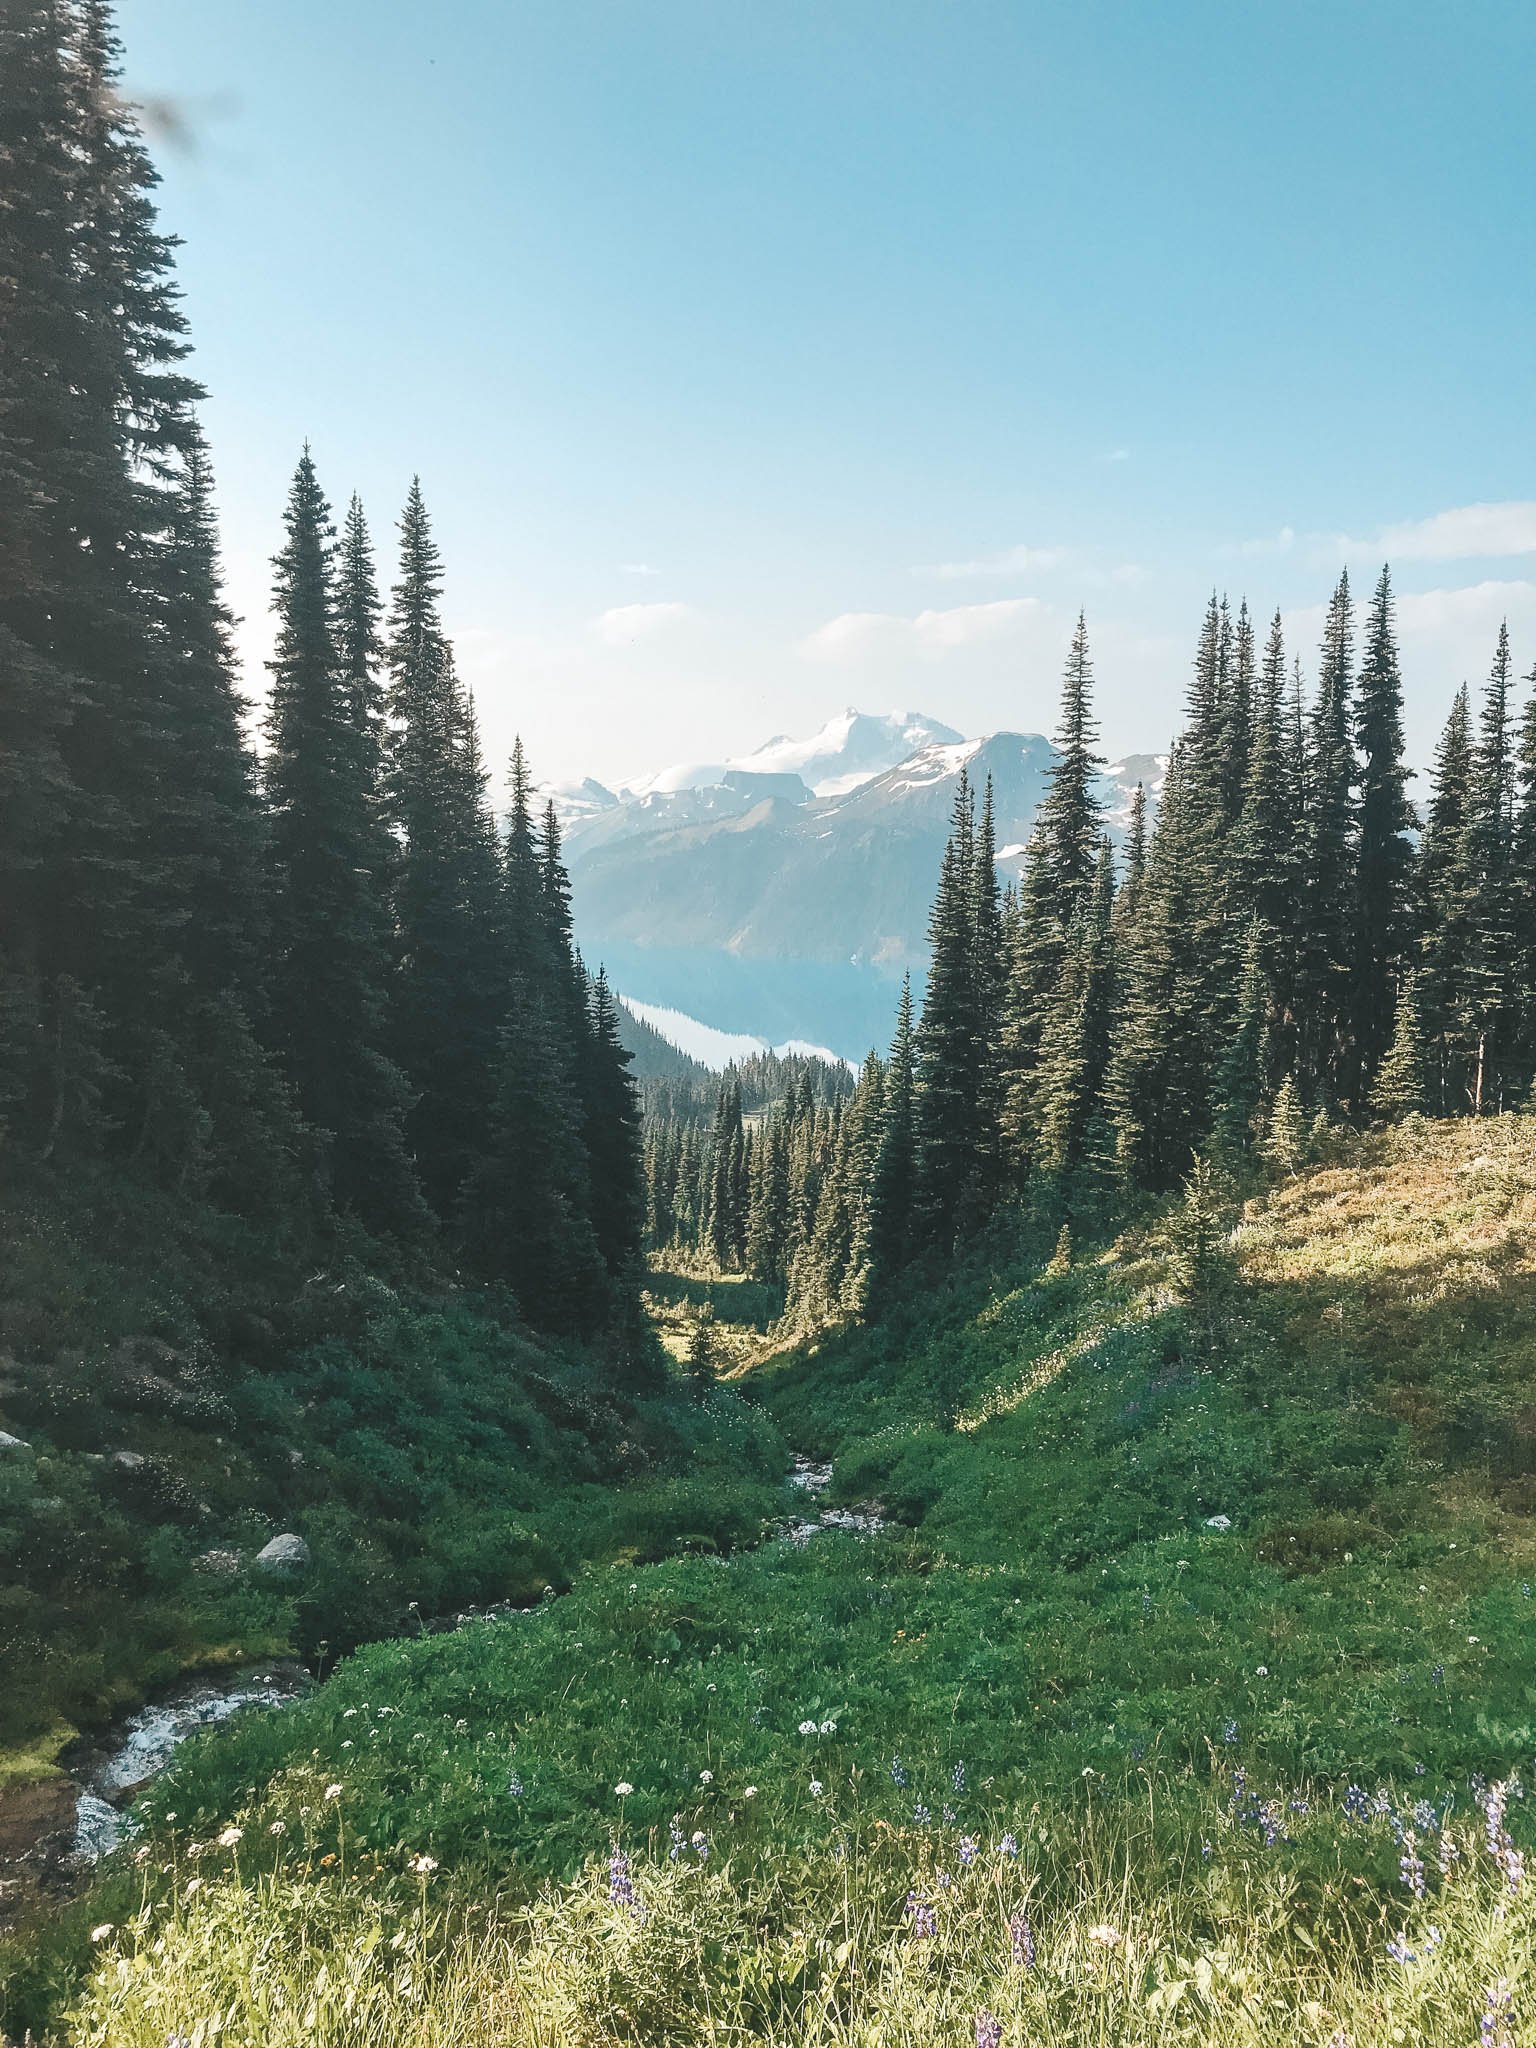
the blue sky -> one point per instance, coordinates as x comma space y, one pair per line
763, 356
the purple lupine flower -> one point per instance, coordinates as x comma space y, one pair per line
1205, 1850
1008, 1846
701, 1846
946, 1882
1356, 1805
1493, 1820
1423, 1814
989, 2030
621, 1889
1437, 1676
1410, 1868
1399, 1951
949, 1815
967, 1849
1493, 2030
1022, 1941
921, 1914
1229, 1731
1337, 2039
677, 1838
921, 1814
515, 1786
898, 1774
957, 1777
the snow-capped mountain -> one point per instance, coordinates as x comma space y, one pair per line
783, 894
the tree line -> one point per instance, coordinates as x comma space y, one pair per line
1287, 945
317, 988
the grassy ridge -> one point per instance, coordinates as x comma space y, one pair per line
1051, 1646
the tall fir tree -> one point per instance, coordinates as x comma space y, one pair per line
1325, 1045
1383, 926
330, 943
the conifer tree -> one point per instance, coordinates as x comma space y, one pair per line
1523, 904
1242, 1077
1399, 1088
612, 1134
950, 1046
1384, 856
451, 991
1330, 882
330, 940
893, 1185
1442, 884
1488, 889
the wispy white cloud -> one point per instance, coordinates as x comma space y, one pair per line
1464, 533
637, 569
1015, 561
626, 623
1280, 543
853, 635
1117, 455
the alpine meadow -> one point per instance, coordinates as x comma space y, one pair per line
543, 1498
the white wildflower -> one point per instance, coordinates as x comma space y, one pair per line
100, 1933
333, 1791
623, 1788
229, 1837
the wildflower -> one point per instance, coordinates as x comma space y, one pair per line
898, 1774
1493, 2030
1399, 1951
423, 1866
1008, 1846
957, 1777
701, 1845
194, 1884
1205, 1850
621, 1888
349, 1713
807, 1727
623, 1788
1437, 1676
750, 1793
946, 1882
1022, 1942
677, 1838
989, 2030
828, 1728
706, 1777
921, 1814
1261, 1671
515, 1786
1410, 1868
229, 1837
967, 1851
1229, 1732
816, 1788
278, 1827
100, 1933
1356, 1805
1337, 2039
921, 1915
949, 1815
333, 1791
1423, 1814
1105, 1935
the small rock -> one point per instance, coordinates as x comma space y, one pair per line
1221, 1522
128, 1461
286, 1553
12, 1443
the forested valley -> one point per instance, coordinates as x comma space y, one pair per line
1030, 1540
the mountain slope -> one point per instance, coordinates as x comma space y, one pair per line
756, 905
1172, 1695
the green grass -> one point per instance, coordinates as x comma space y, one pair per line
1049, 1641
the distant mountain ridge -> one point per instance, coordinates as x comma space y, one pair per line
782, 894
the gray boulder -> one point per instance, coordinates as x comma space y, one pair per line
287, 1553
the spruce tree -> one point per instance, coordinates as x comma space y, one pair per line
1326, 1049
330, 941
612, 1134
893, 1184
950, 1047
451, 986
1384, 855
1399, 1088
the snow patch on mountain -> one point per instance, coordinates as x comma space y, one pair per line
716, 1049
